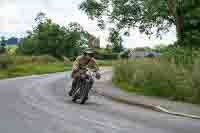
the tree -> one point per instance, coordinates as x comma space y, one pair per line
150, 16
77, 32
116, 41
75, 27
41, 16
3, 41
3, 44
48, 37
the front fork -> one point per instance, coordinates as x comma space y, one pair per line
75, 84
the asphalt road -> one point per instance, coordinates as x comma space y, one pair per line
37, 105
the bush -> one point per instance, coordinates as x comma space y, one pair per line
124, 54
105, 62
5, 61
159, 78
2, 50
44, 59
106, 56
196, 82
179, 55
34, 59
12, 50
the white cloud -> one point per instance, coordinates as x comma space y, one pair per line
17, 16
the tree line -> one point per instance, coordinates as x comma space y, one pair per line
50, 38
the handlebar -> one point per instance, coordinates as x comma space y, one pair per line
89, 72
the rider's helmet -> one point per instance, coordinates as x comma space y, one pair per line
88, 51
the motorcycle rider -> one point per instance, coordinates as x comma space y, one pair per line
80, 65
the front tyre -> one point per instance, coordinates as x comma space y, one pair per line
75, 91
74, 99
85, 90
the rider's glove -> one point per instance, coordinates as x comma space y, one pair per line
98, 75
76, 75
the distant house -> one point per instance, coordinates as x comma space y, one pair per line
142, 52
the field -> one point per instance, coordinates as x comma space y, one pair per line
29, 65
30, 69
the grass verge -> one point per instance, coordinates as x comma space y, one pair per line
125, 86
30, 69
105, 62
44, 64
156, 77
35, 68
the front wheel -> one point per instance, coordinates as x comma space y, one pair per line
75, 92
74, 99
85, 90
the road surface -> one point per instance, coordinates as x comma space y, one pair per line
37, 105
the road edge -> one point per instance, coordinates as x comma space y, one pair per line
147, 106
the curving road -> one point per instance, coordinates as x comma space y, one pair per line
37, 105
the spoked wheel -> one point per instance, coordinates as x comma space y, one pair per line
84, 92
76, 92
74, 99
76, 95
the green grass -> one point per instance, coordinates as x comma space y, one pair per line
12, 46
35, 68
105, 62
157, 77
44, 64
125, 86
30, 69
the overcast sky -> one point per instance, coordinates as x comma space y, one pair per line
17, 16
